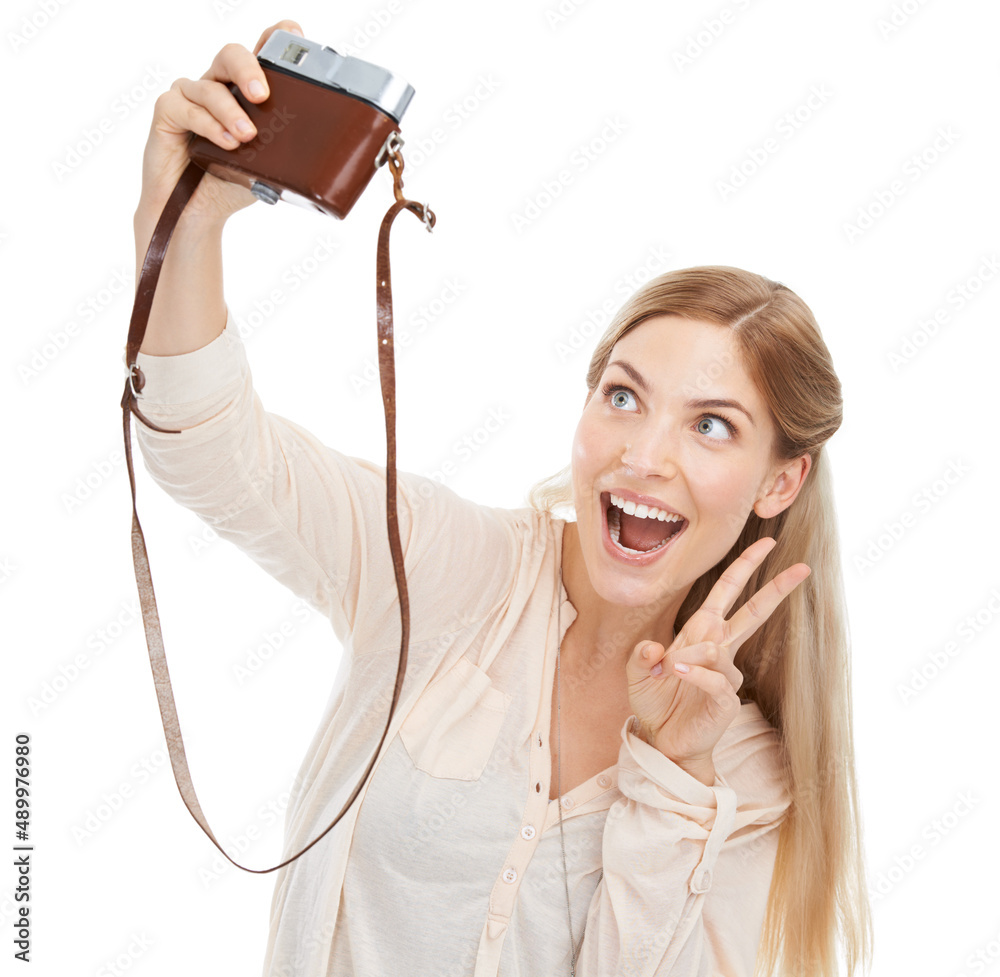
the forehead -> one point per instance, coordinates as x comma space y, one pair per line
688, 353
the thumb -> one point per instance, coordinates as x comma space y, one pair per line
645, 657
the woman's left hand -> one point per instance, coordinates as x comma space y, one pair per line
685, 696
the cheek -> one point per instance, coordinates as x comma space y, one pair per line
725, 497
589, 448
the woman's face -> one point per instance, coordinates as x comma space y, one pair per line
649, 437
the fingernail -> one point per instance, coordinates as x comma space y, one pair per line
229, 137
657, 669
681, 667
244, 126
295, 30
257, 89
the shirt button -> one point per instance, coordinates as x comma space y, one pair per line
604, 781
567, 802
510, 876
527, 832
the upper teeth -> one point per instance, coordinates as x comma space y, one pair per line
644, 511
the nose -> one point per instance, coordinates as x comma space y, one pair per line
650, 451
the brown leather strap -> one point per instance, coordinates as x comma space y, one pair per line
145, 289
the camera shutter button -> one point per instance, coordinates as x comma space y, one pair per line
263, 192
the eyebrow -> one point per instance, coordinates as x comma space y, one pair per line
640, 382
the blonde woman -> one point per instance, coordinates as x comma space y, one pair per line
624, 742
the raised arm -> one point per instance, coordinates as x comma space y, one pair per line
310, 516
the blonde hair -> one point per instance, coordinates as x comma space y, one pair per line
796, 667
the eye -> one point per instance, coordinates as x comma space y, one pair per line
621, 397
725, 430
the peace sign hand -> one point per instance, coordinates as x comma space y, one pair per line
685, 696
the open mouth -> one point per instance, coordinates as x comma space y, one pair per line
638, 530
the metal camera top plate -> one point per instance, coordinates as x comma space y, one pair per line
323, 65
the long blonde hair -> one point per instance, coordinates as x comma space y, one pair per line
796, 667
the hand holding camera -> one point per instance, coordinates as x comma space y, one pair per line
207, 107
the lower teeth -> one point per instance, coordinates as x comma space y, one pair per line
614, 529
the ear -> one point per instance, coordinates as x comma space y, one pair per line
782, 486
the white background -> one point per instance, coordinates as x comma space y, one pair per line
122, 877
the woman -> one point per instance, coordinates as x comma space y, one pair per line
572, 782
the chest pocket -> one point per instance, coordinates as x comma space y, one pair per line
453, 728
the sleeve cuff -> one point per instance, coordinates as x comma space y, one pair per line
666, 775
190, 377
649, 777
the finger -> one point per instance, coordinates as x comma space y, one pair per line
234, 63
730, 585
715, 685
707, 655
218, 101
178, 115
760, 607
283, 25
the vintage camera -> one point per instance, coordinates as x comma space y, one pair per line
325, 128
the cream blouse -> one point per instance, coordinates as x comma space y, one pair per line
450, 865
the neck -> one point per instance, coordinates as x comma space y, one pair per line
603, 633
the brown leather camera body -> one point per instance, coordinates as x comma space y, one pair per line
311, 141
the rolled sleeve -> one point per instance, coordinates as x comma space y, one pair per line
687, 866
175, 384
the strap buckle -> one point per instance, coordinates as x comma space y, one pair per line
135, 376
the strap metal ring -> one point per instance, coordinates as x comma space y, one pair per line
393, 142
132, 370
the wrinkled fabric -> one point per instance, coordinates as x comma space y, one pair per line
451, 865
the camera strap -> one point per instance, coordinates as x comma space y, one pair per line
145, 289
